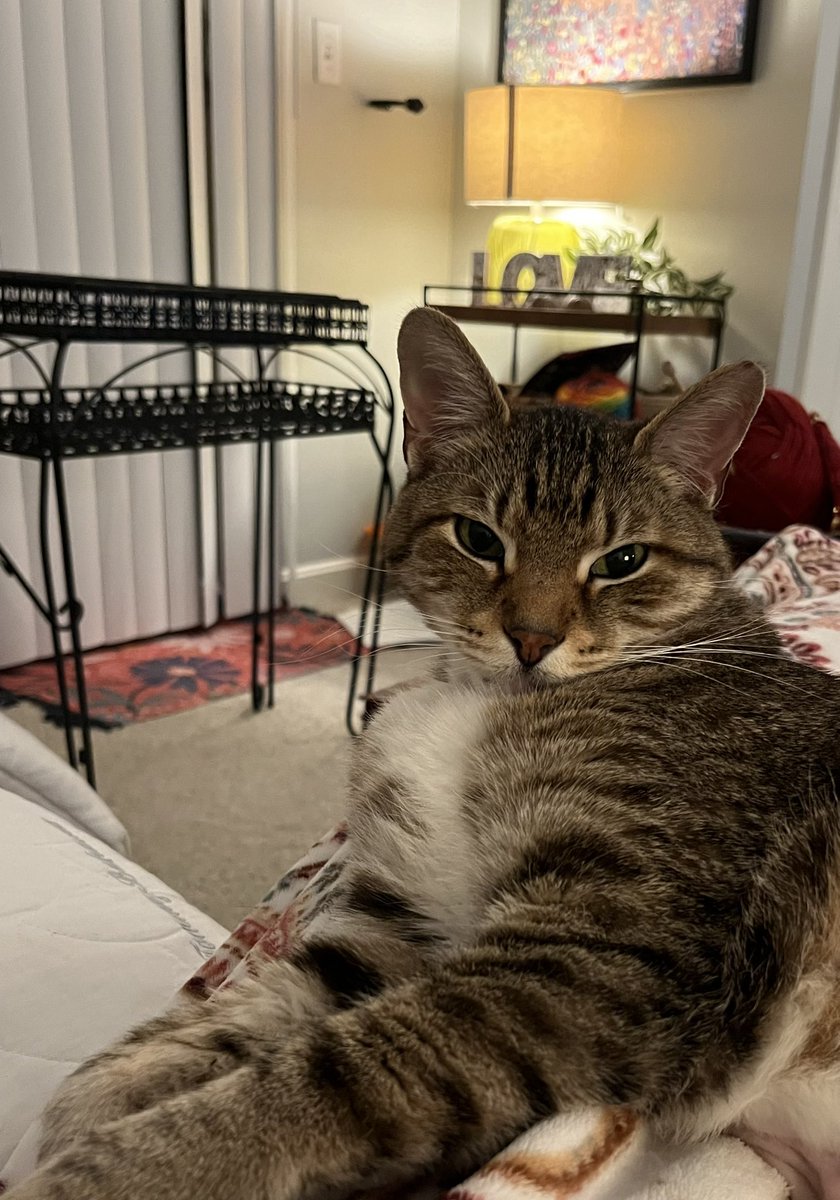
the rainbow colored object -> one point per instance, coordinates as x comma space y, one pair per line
597, 389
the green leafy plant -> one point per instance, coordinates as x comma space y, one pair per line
653, 269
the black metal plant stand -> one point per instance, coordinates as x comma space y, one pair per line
43, 316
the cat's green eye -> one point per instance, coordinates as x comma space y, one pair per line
479, 539
619, 563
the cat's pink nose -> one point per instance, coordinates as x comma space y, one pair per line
532, 645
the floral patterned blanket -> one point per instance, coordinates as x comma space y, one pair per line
597, 1154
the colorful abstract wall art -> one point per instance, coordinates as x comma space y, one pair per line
635, 43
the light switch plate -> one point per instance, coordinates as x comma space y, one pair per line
327, 52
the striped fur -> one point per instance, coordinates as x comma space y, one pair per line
606, 880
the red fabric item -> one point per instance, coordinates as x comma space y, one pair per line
831, 459
786, 472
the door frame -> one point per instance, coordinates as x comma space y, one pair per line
808, 363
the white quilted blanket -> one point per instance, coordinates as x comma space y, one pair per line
92, 943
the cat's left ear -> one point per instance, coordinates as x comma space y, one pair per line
698, 436
445, 386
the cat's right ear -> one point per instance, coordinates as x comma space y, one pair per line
445, 386
696, 438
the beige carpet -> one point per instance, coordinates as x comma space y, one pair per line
220, 801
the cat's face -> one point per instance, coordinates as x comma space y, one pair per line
548, 543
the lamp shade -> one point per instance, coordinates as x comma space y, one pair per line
538, 144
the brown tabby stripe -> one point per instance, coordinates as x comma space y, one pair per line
331, 1071
373, 898
685, 556
467, 1009
587, 499
341, 970
610, 525
388, 798
428, 522
590, 489
577, 850
237, 1045
532, 492
502, 503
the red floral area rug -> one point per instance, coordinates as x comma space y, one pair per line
155, 678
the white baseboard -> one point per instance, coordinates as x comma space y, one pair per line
399, 624
334, 586
331, 585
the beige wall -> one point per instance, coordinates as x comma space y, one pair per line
374, 203
380, 206
721, 167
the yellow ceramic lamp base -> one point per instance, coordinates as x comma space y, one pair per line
509, 236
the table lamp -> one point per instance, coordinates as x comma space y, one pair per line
546, 148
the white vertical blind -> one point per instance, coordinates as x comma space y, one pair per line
229, 185
241, 54
163, 96
239, 86
21, 632
92, 181
197, 166
247, 50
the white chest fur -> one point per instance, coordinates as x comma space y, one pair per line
426, 734
423, 741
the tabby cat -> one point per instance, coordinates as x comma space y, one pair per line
596, 865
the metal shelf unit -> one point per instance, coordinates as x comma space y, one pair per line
645, 313
43, 316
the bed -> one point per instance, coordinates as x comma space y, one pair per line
93, 944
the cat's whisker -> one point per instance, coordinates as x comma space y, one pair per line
713, 646
327, 636
350, 641
670, 652
711, 678
356, 595
443, 624
769, 679
737, 631
444, 627
714, 639
741, 650
407, 637
710, 647
430, 656
333, 553
662, 657
311, 658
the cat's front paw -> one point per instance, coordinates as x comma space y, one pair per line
76, 1174
133, 1077
124, 1161
112, 1087
44, 1186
